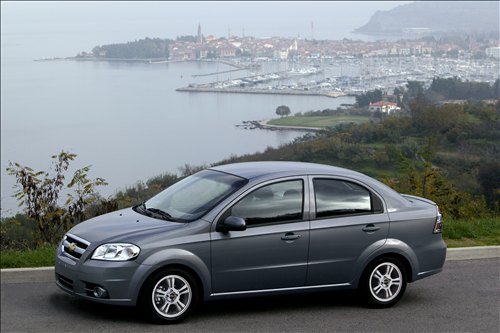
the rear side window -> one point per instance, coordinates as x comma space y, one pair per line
339, 197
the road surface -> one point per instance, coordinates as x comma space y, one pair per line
463, 298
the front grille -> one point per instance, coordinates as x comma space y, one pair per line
65, 282
74, 246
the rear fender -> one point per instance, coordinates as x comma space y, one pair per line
391, 246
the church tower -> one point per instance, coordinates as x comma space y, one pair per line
200, 36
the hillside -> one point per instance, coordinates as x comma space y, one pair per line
448, 152
438, 16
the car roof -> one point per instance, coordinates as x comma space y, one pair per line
277, 169
251, 170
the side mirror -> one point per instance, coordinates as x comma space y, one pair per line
231, 223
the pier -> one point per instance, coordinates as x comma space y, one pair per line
261, 91
221, 72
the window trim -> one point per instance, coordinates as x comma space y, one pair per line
373, 196
305, 201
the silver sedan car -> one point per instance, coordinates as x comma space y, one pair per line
255, 228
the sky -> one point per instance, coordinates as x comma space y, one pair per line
125, 20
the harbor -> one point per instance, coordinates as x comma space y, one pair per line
326, 76
335, 77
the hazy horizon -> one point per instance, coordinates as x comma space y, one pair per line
137, 20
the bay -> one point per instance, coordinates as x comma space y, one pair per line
127, 120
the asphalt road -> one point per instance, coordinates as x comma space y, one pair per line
463, 298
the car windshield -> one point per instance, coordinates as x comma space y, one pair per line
193, 196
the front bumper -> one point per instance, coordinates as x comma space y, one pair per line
80, 277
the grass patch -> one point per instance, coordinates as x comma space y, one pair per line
318, 121
39, 257
472, 232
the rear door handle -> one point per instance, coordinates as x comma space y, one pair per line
290, 236
370, 228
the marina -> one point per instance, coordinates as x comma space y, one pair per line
334, 77
329, 76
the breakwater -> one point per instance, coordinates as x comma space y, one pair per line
262, 91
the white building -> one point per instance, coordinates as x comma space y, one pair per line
493, 52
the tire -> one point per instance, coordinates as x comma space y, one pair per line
169, 296
383, 283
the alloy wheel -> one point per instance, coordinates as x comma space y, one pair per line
172, 296
385, 282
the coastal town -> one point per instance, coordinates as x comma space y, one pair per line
332, 68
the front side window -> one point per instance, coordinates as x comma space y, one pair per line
338, 197
274, 203
194, 196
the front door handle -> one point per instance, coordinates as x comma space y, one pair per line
370, 228
290, 236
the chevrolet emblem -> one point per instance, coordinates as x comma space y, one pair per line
72, 247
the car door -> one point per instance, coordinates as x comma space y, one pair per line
347, 219
272, 252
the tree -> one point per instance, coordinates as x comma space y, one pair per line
283, 110
489, 179
399, 91
39, 192
414, 91
369, 97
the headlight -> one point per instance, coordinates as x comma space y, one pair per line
116, 252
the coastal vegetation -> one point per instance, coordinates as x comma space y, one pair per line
148, 48
447, 151
455, 88
318, 120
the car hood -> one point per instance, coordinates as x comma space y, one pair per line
122, 225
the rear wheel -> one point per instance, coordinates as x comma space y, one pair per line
169, 296
384, 282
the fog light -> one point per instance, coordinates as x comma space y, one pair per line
100, 292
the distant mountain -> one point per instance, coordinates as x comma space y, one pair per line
436, 17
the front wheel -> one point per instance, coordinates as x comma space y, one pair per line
169, 296
384, 283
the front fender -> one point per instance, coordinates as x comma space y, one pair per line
178, 258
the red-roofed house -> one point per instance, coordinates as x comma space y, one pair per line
383, 106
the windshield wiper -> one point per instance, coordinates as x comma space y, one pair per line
141, 208
163, 214
154, 212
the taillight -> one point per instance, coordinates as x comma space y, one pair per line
438, 225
